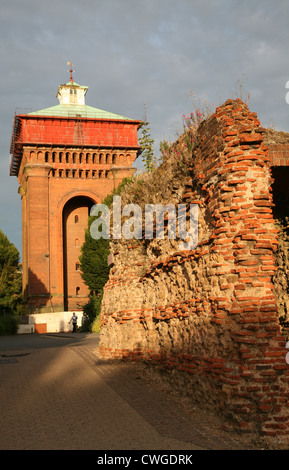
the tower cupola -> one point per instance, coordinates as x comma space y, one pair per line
71, 92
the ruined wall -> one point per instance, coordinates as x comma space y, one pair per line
210, 315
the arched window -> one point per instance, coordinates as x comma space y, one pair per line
77, 267
77, 290
76, 218
77, 242
73, 95
46, 156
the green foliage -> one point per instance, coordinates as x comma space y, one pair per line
93, 261
95, 327
10, 278
146, 142
94, 271
192, 121
116, 192
8, 324
94, 265
92, 312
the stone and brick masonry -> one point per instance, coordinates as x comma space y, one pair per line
210, 316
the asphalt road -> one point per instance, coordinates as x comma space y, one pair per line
56, 394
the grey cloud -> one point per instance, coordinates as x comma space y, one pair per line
131, 51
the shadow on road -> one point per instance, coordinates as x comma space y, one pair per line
58, 394
48, 340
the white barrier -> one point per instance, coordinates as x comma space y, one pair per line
55, 322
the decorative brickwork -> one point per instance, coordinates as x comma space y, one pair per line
210, 316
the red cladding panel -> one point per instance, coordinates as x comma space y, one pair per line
94, 132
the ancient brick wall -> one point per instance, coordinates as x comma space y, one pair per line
209, 316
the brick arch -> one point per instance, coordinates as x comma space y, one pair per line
95, 197
73, 221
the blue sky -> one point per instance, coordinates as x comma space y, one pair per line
162, 52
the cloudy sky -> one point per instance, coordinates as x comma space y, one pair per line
162, 52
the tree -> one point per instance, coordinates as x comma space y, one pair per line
94, 271
146, 142
10, 277
93, 261
94, 264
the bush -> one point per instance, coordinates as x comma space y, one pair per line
95, 327
8, 325
93, 262
10, 278
92, 313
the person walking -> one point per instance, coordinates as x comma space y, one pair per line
74, 322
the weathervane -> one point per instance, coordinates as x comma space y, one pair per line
70, 71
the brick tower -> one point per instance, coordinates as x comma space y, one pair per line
67, 158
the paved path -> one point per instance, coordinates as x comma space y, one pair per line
55, 394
